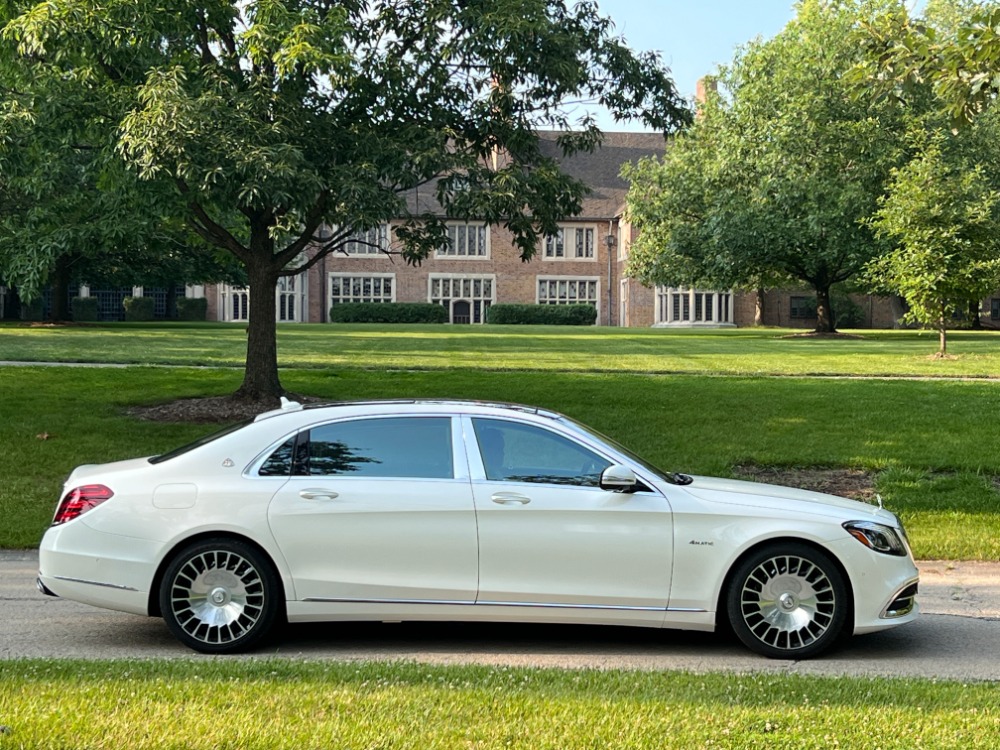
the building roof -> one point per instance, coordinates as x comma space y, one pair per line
600, 171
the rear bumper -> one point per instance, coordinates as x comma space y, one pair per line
104, 570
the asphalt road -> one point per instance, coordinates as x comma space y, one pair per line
956, 638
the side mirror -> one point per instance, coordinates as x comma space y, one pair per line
618, 478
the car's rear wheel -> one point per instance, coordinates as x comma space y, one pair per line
220, 596
788, 601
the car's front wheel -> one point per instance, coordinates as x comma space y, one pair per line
220, 596
788, 601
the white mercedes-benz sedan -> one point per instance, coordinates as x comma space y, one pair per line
450, 510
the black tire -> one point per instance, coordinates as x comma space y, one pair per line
220, 596
788, 601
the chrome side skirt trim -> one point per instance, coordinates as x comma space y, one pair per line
615, 607
95, 583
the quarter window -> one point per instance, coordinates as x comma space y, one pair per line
513, 452
396, 447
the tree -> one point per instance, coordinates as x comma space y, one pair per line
272, 119
941, 208
58, 221
945, 216
778, 172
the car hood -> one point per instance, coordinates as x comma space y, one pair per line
756, 494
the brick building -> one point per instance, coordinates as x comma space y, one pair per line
480, 266
584, 263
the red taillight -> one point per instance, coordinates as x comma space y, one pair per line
78, 501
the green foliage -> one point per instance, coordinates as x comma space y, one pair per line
84, 309
774, 178
388, 312
192, 308
139, 309
545, 315
954, 49
846, 312
944, 213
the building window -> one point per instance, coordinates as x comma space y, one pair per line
568, 290
801, 307
346, 287
235, 303
465, 297
289, 301
995, 309
693, 306
289, 298
466, 241
371, 242
570, 243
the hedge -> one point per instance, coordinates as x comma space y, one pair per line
548, 315
139, 309
192, 308
84, 309
388, 312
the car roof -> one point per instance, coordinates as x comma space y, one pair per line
458, 405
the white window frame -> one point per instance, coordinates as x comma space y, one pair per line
572, 287
458, 246
361, 297
573, 239
365, 244
234, 303
680, 306
465, 293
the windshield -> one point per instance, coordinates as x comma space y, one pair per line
199, 442
667, 476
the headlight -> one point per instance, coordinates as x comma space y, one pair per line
877, 536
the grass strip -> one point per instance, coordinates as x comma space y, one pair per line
744, 351
281, 704
937, 438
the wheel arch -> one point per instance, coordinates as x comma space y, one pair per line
153, 603
721, 613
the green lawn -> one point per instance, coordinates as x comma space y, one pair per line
936, 441
287, 704
736, 351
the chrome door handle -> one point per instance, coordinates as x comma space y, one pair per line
318, 494
510, 498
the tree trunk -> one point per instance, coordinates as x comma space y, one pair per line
60, 289
824, 313
942, 339
170, 313
975, 320
260, 378
758, 310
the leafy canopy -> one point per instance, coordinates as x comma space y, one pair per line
269, 121
782, 165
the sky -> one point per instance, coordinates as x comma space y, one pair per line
692, 36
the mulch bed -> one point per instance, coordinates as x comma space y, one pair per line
853, 483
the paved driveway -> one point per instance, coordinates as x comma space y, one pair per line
961, 624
